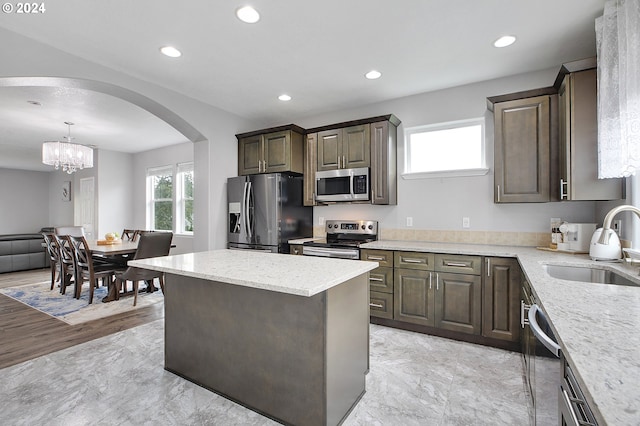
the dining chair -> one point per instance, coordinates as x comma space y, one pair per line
54, 256
76, 231
86, 270
151, 244
129, 235
67, 261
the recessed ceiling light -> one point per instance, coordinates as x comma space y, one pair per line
170, 51
504, 41
373, 74
284, 97
248, 14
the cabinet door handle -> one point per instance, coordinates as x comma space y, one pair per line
344, 162
488, 267
498, 193
462, 265
264, 166
429, 280
375, 279
376, 305
564, 195
412, 261
437, 282
375, 258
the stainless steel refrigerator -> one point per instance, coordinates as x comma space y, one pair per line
265, 211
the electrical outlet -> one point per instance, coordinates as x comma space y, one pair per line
617, 226
466, 222
409, 221
321, 220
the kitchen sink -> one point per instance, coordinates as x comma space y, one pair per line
588, 274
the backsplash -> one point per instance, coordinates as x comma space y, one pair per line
526, 239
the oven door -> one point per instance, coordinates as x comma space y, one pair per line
334, 252
342, 185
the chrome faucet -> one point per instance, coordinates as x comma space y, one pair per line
604, 237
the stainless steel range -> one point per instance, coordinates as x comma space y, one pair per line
343, 239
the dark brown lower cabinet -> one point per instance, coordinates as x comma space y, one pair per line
414, 293
443, 300
501, 301
458, 302
381, 304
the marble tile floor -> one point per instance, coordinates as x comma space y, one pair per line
414, 379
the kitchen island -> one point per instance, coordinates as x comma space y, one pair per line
286, 336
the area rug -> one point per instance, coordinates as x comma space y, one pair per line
75, 311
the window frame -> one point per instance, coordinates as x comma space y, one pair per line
478, 171
151, 200
181, 198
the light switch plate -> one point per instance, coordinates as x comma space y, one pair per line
409, 221
466, 222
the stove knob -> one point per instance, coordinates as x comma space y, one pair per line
370, 227
363, 227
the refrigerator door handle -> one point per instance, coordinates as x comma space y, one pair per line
245, 211
249, 210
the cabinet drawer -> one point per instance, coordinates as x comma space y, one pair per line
381, 305
413, 260
458, 264
381, 279
383, 257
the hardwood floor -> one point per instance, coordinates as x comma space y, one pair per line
26, 333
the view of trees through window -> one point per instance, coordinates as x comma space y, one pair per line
170, 198
187, 200
163, 202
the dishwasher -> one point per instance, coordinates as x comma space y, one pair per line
542, 364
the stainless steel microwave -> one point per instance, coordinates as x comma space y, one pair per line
342, 185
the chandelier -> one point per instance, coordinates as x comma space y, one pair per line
66, 155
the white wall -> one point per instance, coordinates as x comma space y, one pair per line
169, 156
60, 212
440, 203
24, 201
115, 191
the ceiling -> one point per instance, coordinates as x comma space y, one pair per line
317, 52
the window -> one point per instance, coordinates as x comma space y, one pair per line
169, 200
184, 197
446, 149
160, 198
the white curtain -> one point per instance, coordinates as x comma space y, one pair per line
618, 49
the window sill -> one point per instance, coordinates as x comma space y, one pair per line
446, 173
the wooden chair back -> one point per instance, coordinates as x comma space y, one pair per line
67, 261
82, 256
52, 247
129, 235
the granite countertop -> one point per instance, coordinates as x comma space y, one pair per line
597, 325
299, 275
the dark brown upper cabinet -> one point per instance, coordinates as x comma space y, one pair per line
273, 150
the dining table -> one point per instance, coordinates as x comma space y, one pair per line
115, 249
